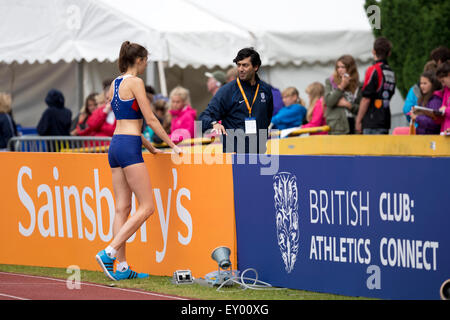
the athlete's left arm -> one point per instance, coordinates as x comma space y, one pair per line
149, 146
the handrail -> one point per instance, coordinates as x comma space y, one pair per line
299, 131
273, 134
188, 142
85, 144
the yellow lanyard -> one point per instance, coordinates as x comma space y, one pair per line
245, 97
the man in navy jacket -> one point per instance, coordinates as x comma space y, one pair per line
242, 109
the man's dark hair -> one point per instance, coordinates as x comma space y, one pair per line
382, 47
249, 52
441, 54
443, 70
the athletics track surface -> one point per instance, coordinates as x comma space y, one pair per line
15, 286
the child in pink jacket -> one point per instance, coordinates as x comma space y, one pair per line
443, 74
183, 115
316, 108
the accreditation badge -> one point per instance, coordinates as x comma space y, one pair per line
250, 125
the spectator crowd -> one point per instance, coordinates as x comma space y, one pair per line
343, 101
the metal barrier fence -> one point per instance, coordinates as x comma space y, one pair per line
30, 143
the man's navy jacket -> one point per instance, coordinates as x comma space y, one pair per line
229, 106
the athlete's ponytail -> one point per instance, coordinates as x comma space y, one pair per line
129, 52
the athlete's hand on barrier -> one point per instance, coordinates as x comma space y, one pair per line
177, 150
219, 129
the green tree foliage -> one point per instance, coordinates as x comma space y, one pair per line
415, 28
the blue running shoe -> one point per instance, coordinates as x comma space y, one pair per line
106, 263
129, 274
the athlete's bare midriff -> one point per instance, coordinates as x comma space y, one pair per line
129, 126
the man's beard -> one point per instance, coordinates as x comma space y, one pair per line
246, 77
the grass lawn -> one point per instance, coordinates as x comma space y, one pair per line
164, 285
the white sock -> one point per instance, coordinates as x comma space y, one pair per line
110, 252
122, 266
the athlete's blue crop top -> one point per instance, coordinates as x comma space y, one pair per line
124, 109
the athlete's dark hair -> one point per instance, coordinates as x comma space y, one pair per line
382, 47
249, 52
129, 52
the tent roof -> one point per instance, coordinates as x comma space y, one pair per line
54, 30
194, 37
287, 31
184, 32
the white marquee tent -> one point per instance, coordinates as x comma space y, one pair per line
73, 45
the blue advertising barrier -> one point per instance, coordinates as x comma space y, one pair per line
350, 225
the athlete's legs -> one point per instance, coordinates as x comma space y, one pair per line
122, 195
139, 183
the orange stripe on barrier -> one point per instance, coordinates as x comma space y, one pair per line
57, 210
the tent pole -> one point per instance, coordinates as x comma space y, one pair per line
13, 79
162, 78
80, 84
150, 74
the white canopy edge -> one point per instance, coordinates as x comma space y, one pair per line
68, 30
184, 32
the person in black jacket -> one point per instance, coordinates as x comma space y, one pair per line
242, 109
8, 127
56, 119
374, 113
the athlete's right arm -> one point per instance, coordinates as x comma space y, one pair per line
138, 89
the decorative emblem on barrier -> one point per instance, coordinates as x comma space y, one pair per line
286, 206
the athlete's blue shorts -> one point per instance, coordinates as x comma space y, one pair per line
125, 150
